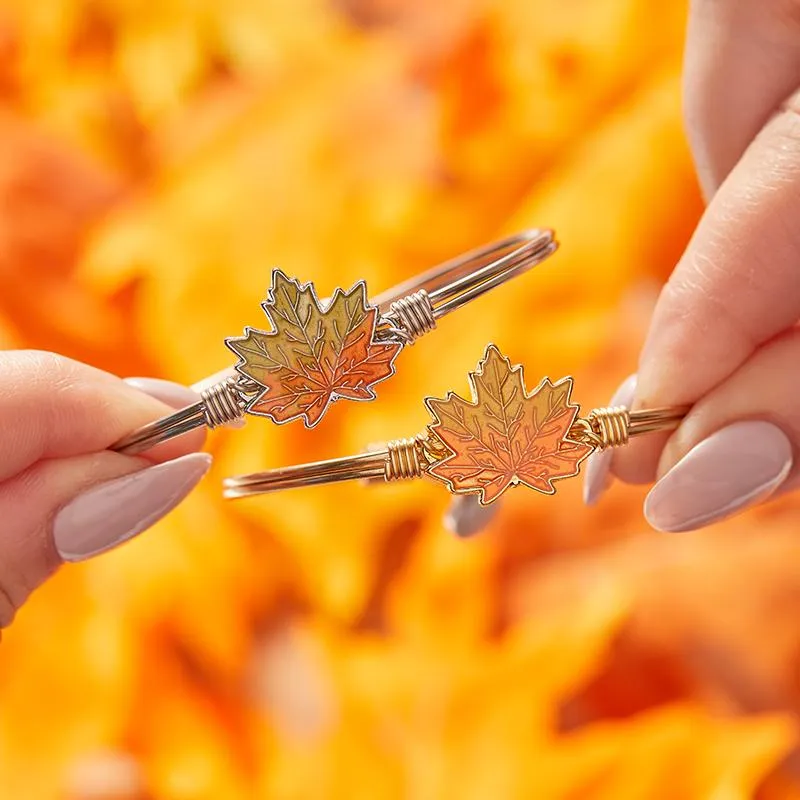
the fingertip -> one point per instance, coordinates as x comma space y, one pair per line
736, 467
597, 477
466, 516
114, 511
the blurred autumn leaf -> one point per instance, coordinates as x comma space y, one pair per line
157, 160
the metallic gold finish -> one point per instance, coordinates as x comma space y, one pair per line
502, 437
318, 351
505, 436
405, 458
411, 317
459, 281
314, 354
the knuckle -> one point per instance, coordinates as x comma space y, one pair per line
694, 301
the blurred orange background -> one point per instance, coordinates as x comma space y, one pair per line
156, 161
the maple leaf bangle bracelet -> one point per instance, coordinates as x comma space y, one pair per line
319, 351
504, 436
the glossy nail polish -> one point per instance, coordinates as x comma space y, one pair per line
736, 467
110, 513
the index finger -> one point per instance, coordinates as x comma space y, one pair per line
738, 283
742, 60
736, 287
53, 407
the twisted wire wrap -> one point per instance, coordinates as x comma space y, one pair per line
223, 402
433, 448
411, 317
612, 425
405, 459
603, 428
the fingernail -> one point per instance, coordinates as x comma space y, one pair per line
466, 516
173, 394
738, 466
113, 512
597, 477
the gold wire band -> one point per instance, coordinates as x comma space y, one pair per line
460, 280
406, 312
404, 459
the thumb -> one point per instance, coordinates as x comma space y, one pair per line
737, 446
734, 290
63, 495
71, 509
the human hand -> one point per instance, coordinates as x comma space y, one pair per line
724, 334
63, 495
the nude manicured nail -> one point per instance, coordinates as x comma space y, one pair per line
466, 516
173, 394
113, 512
597, 477
738, 466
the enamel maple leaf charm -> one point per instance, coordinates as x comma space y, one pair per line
504, 436
315, 353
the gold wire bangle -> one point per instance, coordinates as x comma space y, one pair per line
341, 347
503, 436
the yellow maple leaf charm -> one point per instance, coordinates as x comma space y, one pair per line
315, 353
504, 436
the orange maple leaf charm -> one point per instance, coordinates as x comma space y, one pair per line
315, 354
505, 436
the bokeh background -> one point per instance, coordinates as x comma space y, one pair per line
156, 161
